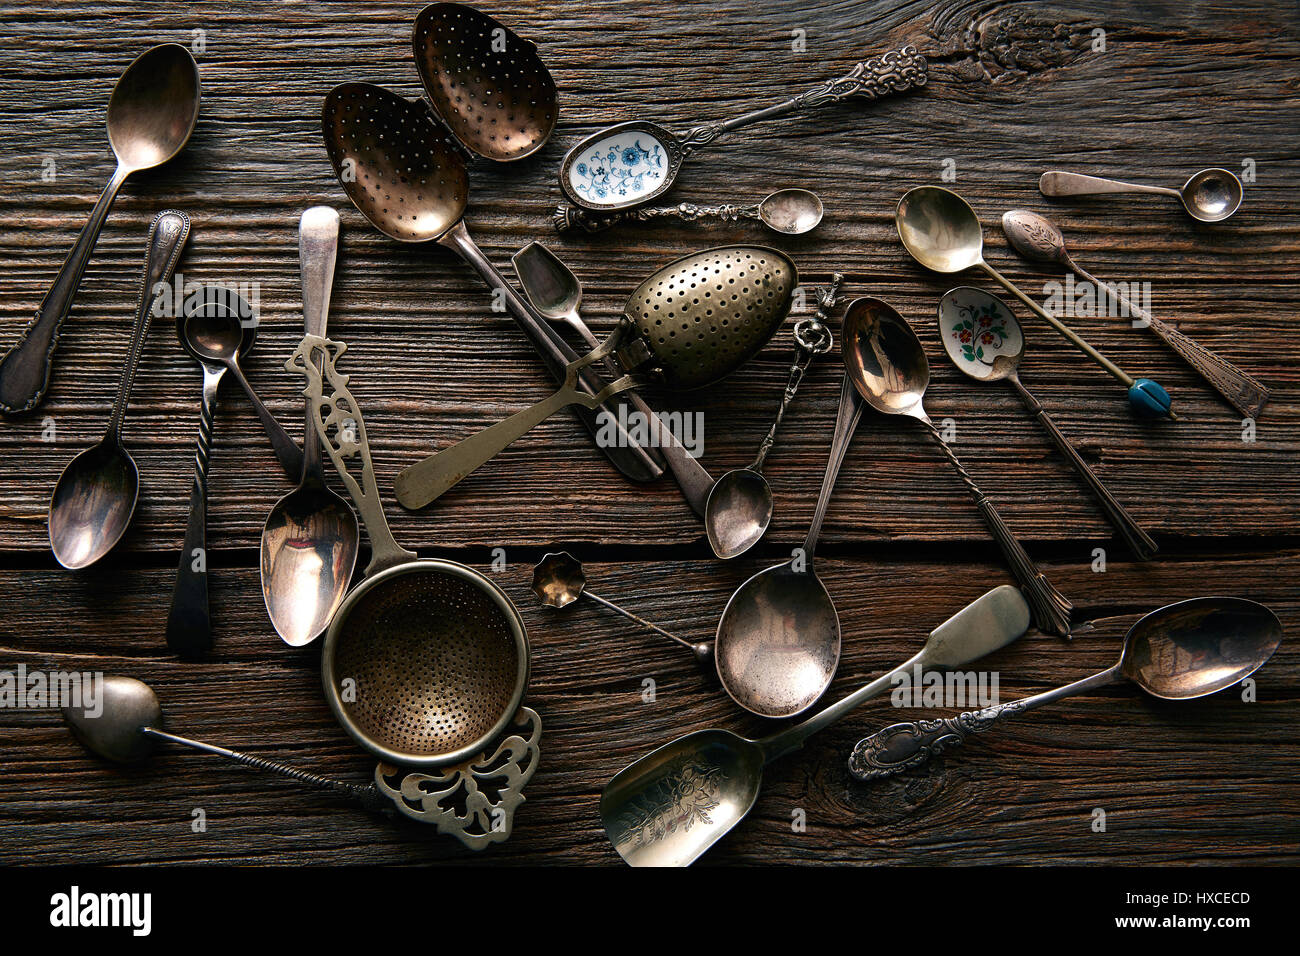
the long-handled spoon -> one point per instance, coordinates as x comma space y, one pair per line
940, 230
189, 621
558, 581
428, 479
95, 496
1211, 195
1036, 237
885, 361
216, 339
670, 806
629, 164
740, 504
985, 342
778, 642
151, 114
1178, 652
791, 212
556, 294
311, 537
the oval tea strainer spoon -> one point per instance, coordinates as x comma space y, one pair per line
426, 661
628, 164
690, 324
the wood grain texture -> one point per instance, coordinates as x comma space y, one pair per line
1015, 88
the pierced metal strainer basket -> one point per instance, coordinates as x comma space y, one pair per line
704, 315
426, 661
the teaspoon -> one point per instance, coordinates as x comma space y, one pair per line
1179, 652
985, 342
95, 496
151, 114
941, 231
1036, 237
311, 536
791, 212
884, 360
1211, 195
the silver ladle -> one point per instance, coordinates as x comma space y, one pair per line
739, 507
778, 642
558, 581
1036, 237
986, 343
151, 114
1179, 652
311, 537
95, 496
669, 807
884, 360
790, 212
1211, 195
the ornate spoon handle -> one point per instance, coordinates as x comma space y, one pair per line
1051, 608
903, 746
893, 72
569, 218
1139, 542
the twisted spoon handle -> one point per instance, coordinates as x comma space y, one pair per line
1139, 542
904, 746
368, 796
893, 72
568, 218
1050, 607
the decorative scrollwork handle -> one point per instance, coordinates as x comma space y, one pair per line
568, 218
903, 746
893, 72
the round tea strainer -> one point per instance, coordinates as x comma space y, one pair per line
426, 661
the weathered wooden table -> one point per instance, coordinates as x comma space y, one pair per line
1151, 94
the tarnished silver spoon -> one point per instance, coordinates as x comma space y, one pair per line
1211, 195
791, 212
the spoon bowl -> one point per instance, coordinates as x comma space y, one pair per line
213, 334
738, 512
117, 731
1212, 195
93, 503
940, 230
884, 358
791, 211
154, 107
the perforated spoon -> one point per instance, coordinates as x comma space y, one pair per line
1180, 652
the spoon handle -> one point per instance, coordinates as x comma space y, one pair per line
1051, 608
1057, 183
167, 235
286, 449
189, 623
895, 71
569, 218
1139, 542
25, 368
318, 249
846, 423
639, 620
903, 746
423, 482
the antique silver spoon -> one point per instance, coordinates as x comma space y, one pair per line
1211, 195
1035, 237
1178, 652
791, 212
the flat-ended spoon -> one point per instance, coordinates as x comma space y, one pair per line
941, 231
1211, 195
885, 361
986, 343
1178, 652
791, 212
151, 114
674, 803
1036, 237
95, 496
778, 642
311, 537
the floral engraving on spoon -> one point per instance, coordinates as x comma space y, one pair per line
683, 796
982, 333
624, 166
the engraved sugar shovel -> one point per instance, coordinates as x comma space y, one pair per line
628, 164
1036, 237
985, 342
151, 114
885, 360
1180, 652
669, 807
